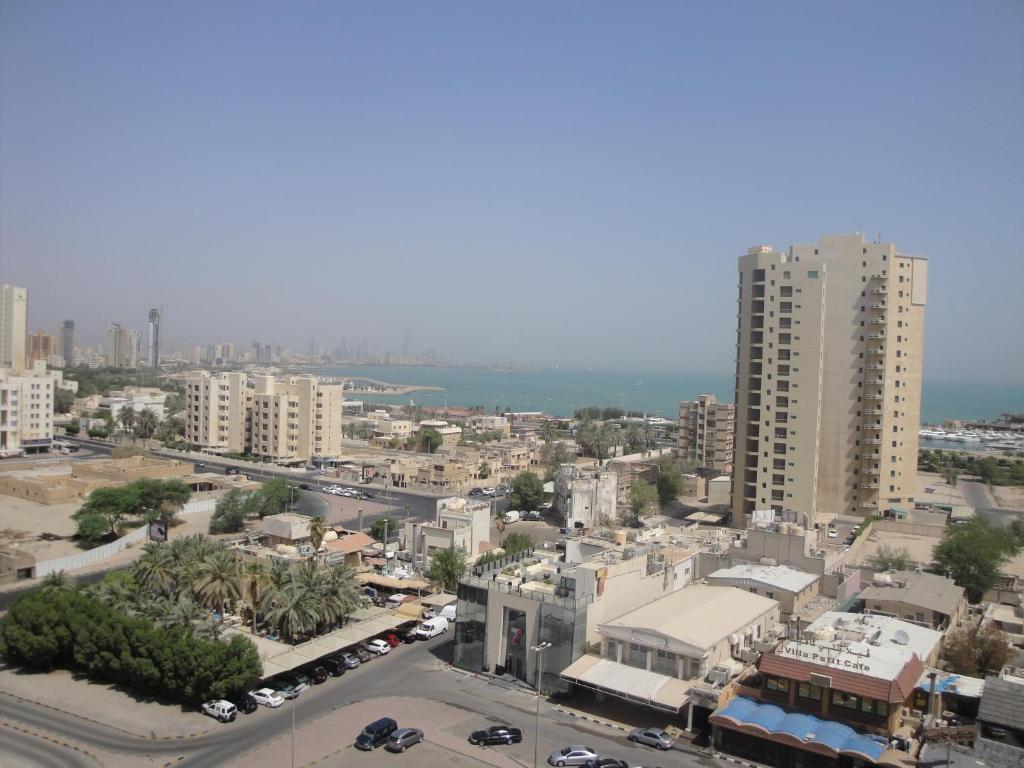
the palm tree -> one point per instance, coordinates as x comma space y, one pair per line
186, 613
156, 570
58, 580
146, 424
294, 614
254, 576
216, 583
120, 591
126, 418
342, 594
499, 523
547, 430
317, 529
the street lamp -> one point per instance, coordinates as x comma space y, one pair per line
539, 650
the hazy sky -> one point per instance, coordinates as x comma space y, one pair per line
529, 182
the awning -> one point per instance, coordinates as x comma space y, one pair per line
637, 685
388, 582
705, 517
440, 600
335, 641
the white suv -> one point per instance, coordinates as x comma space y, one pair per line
224, 711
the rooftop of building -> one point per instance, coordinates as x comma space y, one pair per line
1001, 702
927, 590
699, 615
778, 576
860, 633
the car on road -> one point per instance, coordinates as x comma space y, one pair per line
501, 490
246, 703
850, 539
232, 471
607, 762
316, 672
488, 492
833, 532
349, 659
335, 666
224, 711
378, 647
577, 754
392, 639
497, 734
288, 686
368, 495
200, 464
476, 492
305, 487
408, 635
652, 737
432, 628
403, 738
376, 734
363, 654
531, 515
268, 697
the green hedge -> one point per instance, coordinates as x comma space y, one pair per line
49, 628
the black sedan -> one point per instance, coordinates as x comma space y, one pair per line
497, 734
245, 703
607, 762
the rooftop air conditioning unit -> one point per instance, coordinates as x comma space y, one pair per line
305, 550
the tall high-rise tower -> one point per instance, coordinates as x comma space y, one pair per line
67, 342
13, 327
153, 357
828, 378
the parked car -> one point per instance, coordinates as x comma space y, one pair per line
334, 665
305, 487
349, 659
501, 490
392, 639
302, 677
497, 734
652, 737
476, 492
378, 647
403, 738
850, 539
288, 686
408, 635
368, 495
246, 703
224, 711
362, 653
577, 754
607, 762
268, 697
833, 532
488, 491
432, 628
376, 734
532, 515
316, 672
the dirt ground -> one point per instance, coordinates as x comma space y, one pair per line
22, 522
931, 487
1009, 496
919, 547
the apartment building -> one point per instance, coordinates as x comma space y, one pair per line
707, 430
41, 346
217, 411
295, 418
13, 327
67, 342
26, 410
153, 351
828, 378
123, 347
586, 498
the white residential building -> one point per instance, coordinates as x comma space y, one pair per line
26, 411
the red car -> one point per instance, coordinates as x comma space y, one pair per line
391, 639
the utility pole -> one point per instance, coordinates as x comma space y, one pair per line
539, 650
295, 703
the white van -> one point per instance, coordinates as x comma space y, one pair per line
432, 628
512, 517
448, 612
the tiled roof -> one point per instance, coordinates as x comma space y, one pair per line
896, 690
1001, 703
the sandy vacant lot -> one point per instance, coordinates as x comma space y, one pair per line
919, 547
1009, 496
21, 523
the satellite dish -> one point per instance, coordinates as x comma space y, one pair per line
901, 637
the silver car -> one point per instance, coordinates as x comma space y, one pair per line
577, 754
403, 738
652, 737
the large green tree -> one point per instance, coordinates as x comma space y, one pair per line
888, 558
146, 424
973, 554
430, 439
103, 513
670, 479
643, 498
517, 542
527, 491
446, 568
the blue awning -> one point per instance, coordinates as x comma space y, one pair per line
806, 729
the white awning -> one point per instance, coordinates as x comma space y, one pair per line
638, 685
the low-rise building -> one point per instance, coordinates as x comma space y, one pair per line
792, 588
1001, 716
460, 524
482, 422
26, 410
923, 598
586, 498
450, 434
720, 491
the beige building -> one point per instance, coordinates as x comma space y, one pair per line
460, 524
13, 327
922, 598
707, 430
828, 378
792, 588
123, 347
41, 346
295, 418
217, 409
26, 410
450, 434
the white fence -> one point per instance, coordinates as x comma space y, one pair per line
82, 559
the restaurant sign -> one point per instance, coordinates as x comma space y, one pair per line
829, 657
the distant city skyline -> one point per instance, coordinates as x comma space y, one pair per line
492, 181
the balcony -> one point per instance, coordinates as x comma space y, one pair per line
869, 504
869, 455
869, 486
874, 396
878, 290
871, 471
875, 367
872, 441
872, 427
876, 306
873, 412
877, 319
876, 336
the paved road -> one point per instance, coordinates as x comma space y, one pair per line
412, 671
976, 493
